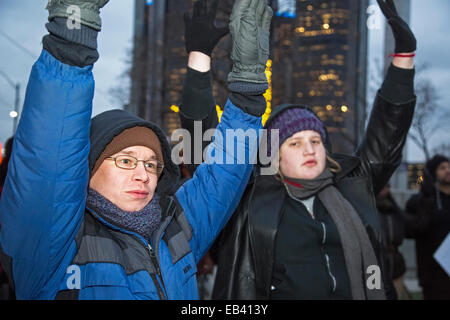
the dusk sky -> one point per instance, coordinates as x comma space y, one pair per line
24, 22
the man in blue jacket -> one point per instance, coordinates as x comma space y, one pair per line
91, 209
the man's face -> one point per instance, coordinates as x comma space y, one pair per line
303, 155
130, 190
443, 173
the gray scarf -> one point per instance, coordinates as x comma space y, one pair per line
358, 250
142, 222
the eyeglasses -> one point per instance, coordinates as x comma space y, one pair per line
130, 163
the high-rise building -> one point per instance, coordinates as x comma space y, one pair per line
159, 60
319, 60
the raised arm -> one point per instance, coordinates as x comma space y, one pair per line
393, 110
44, 197
212, 195
198, 104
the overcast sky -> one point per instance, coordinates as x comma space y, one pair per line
24, 21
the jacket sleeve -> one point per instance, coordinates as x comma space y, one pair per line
214, 192
44, 197
197, 105
391, 117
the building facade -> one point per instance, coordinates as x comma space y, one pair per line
318, 59
159, 61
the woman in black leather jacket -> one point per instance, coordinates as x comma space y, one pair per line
312, 231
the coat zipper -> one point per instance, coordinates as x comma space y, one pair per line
155, 263
333, 279
327, 258
143, 242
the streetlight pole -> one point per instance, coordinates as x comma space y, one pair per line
16, 87
16, 107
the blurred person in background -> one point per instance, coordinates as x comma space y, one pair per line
428, 222
6, 292
5, 161
393, 229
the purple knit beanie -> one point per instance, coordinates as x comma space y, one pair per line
292, 121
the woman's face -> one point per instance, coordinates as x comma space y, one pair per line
130, 190
303, 155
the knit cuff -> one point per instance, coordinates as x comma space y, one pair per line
249, 96
69, 53
85, 35
249, 88
254, 105
197, 97
398, 85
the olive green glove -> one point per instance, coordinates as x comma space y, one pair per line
250, 30
89, 11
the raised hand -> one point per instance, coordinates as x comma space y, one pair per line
200, 32
405, 41
250, 29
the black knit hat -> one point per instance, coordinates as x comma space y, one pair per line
434, 163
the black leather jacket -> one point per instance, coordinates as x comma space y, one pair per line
246, 248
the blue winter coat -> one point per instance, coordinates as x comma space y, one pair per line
43, 205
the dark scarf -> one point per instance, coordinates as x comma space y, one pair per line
358, 250
142, 222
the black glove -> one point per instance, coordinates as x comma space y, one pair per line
200, 32
405, 41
